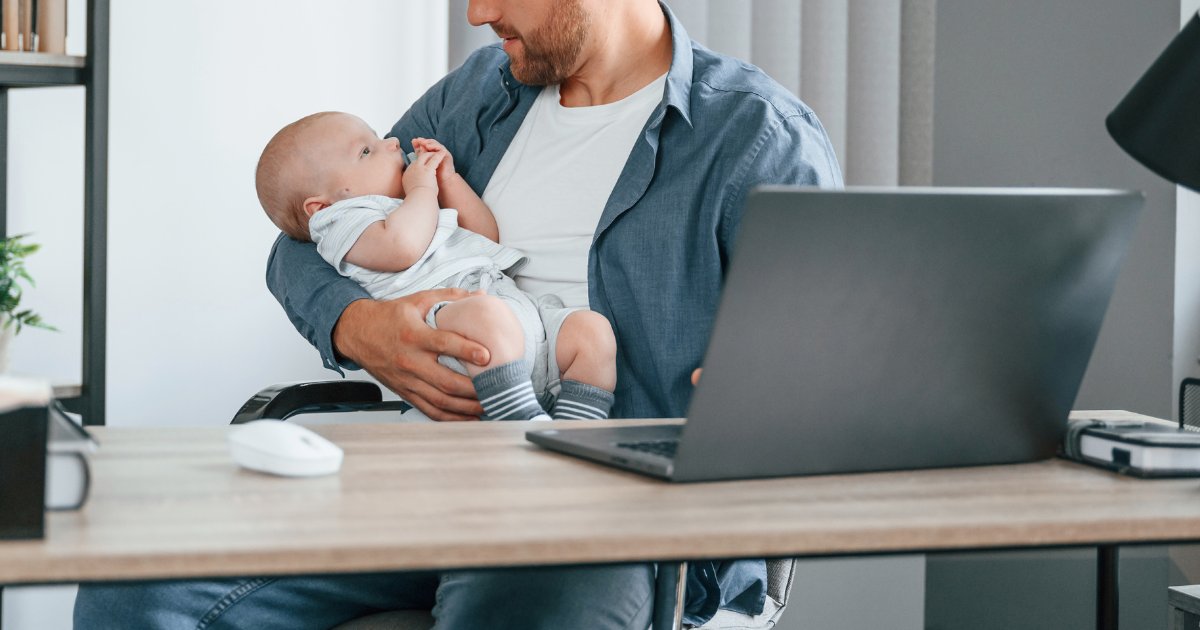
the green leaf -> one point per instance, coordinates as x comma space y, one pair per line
13, 252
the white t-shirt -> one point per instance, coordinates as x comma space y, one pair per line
569, 159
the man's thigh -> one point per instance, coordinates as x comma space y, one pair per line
606, 597
595, 597
260, 603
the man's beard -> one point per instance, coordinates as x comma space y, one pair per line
551, 50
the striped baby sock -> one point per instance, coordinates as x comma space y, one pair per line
506, 393
580, 401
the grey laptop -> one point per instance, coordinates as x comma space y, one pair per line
866, 330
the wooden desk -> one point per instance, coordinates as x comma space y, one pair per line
169, 503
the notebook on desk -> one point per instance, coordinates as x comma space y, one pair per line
866, 330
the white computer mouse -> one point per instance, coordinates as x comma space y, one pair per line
283, 448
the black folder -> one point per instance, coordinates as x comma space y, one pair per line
23, 472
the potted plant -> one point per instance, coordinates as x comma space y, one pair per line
13, 252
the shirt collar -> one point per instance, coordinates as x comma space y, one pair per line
679, 75
507, 80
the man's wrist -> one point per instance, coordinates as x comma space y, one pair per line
347, 325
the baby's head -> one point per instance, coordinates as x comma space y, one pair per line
320, 160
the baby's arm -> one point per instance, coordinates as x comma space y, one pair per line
455, 193
397, 243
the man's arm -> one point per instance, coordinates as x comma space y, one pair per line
389, 339
395, 345
794, 150
312, 293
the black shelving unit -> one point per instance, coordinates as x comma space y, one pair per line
28, 70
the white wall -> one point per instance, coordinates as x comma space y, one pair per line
192, 329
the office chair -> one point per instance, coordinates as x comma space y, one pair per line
285, 400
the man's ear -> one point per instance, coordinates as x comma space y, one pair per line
313, 204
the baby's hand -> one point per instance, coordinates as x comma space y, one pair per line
423, 171
433, 146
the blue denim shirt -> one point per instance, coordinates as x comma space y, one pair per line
663, 242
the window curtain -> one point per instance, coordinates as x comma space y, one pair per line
865, 67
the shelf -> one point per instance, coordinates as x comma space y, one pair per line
71, 397
67, 391
22, 69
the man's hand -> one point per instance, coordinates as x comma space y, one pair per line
392, 342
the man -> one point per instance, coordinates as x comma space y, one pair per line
617, 154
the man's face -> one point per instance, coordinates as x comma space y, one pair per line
543, 38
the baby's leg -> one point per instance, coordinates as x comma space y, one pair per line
503, 385
587, 357
486, 320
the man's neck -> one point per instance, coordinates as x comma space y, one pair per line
629, 48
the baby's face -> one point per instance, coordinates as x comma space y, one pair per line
354, 161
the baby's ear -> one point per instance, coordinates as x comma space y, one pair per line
312, 205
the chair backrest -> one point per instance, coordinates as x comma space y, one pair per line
1189, 404
780, 573
284, 400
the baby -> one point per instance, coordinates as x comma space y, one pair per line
376, 218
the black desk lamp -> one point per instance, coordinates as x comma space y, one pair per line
1158, 122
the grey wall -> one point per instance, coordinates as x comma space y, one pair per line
1022, 90
1045, 590
463, 38
857, 593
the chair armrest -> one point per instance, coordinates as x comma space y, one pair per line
283, 400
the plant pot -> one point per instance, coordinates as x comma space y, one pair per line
6, 336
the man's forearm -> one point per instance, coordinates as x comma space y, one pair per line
345, 331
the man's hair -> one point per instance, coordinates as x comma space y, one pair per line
284, 178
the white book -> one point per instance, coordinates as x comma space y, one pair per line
1143, 449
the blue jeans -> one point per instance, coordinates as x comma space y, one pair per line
603, 597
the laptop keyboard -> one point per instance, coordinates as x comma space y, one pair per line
663, 448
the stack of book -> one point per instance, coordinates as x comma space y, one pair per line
33, 26
1150, 448
43, 457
